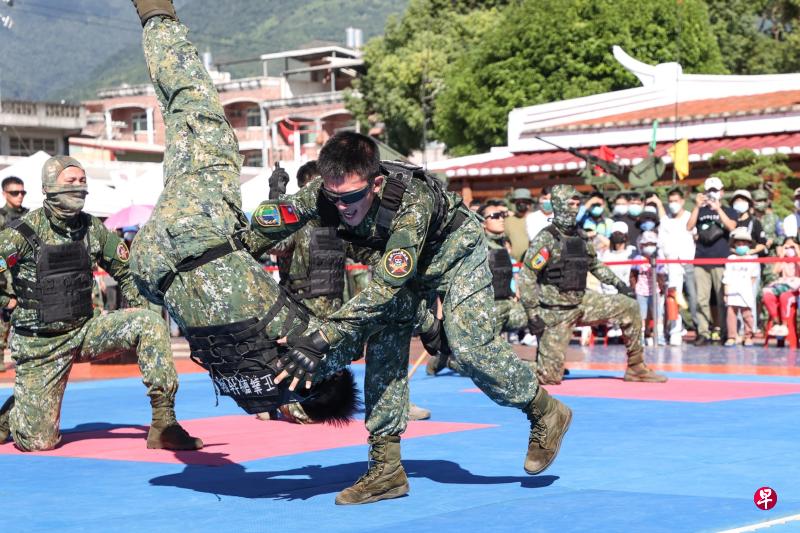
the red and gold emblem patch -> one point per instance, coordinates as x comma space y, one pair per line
123, 254
540, 260
398, 263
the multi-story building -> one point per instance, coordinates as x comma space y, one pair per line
29, 127
285, 114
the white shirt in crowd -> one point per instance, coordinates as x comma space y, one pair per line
536, 222
675, 241
738, 281
790, 225
623, 272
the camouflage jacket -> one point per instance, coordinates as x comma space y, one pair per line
545, 250
8, 214
401, 261
105, 248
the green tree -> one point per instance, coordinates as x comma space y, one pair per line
744, 169
407, 65
548, 50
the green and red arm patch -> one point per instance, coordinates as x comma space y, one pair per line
539, 260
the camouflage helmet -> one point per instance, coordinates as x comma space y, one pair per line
54, 166
760, 195
565, 217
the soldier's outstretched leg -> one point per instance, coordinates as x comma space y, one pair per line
488, 359
553, 343
599, 308
144, 331
5, 419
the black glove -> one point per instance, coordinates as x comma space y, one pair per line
277, 182
536, 325
304, 356
434, 340
628, 291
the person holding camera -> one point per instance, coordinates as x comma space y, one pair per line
714, 224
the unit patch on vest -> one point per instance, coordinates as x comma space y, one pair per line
3, 265
540, 260
267, 216
123, 254
12, 260
398, 263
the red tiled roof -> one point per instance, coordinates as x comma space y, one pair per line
531, 162
733, 105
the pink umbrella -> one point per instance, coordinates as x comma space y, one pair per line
134, 215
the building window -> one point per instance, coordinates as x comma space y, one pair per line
139, 122
308, 138
253, 117
26, 146
253, 160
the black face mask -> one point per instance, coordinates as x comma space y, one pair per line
618, 238
522, 207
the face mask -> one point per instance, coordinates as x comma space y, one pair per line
715, 195
647, 225
522, 207
742, 250
797, 204
589, 226
596, 210
547, 206
789, 251
674, 207
761, 206
649, 250
741, 207
621, 210
65, 201
634, 210
618, 238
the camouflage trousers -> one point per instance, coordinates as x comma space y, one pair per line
200, 205
44, 364
509, 315
595, 309
5, 327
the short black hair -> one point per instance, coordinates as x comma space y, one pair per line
633, 195
677, 191
349, 152
597, 194
475, 202
306, 173
494, 202
12, 180
547, 189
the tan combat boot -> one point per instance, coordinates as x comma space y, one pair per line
5, 419
638, 371
415, 412
165, 432
385, 477
550, 421
148, 9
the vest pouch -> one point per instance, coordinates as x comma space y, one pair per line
64, 283
502, 273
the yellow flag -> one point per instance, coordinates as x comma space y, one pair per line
679, 152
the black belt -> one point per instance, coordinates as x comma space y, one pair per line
26, 332
190, 263
558, 307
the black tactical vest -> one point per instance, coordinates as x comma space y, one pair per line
325, 276
569, 272
62, 291
502, 272
398, 175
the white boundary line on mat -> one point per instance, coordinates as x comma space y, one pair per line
764, 525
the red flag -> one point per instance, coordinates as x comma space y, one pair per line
606, 154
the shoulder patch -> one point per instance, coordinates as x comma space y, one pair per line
267, 216
398, 263
540, 260
12, 260
123, 254
289, 214
3, 265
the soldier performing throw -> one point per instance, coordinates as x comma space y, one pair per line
553, 290
50, 253
422, 240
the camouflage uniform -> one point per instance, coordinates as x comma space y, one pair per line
200, 206
44, 354
563, 310
509, 314
7, 214
457, 271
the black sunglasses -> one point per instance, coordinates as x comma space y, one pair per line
498, 215
16, 193
346, 198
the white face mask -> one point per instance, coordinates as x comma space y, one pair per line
797, 204
675, 207
623, 210
716, 195
649, 250
741, 207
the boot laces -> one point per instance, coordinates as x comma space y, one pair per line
538, 429
373, 467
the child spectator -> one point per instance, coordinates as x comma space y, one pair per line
642, 283
780, 295
738, 282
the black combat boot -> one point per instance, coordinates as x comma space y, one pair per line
5, 419
148, 9
550, 421
385, 477
638, 371
165, 432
